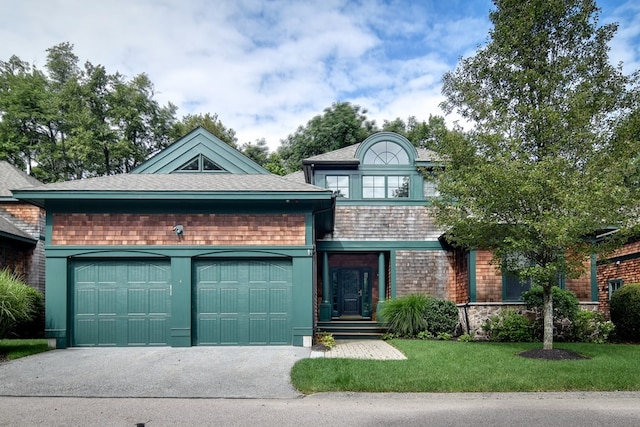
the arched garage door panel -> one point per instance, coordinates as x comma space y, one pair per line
242, 302
121, 303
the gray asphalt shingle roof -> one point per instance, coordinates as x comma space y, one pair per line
179, 182
349, 154
12, 178
8, 228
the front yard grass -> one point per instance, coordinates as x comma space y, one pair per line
14, 349
452, 366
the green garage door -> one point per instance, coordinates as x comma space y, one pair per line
242, 302
121, 303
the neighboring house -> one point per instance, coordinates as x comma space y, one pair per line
21, 228
201, 246
619, 268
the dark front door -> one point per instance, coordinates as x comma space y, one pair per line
351, 292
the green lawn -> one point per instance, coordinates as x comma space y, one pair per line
451, 366
15, 349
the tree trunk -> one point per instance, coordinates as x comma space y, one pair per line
548, 318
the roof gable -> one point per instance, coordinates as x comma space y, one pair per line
201, 144
12, 178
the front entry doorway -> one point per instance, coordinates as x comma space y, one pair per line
351, 292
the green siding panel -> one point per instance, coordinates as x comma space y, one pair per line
243, 302
121, 303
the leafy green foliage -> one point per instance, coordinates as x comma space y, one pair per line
539, 171
419, 315
34, 326
624, 307
339, 126
404, 316
326, 339
565, 303
508, 326
590, 326
70, 122
441, 316
208, 121
17, 302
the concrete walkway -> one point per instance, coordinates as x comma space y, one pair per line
365, 349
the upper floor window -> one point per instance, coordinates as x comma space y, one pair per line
199, 163
386, 153
339, 184
385, 187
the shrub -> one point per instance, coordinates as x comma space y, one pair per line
326, 339
625, 312
441, 316
508, 326
565, 303
565, 310
590, 326
404, 316
34, 327
16, 302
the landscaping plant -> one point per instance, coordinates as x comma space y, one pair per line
17, 302
565, 311
508, 326
404, 316
625, 312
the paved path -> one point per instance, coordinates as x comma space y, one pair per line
367, 349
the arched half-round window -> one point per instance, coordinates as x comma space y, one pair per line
386, 153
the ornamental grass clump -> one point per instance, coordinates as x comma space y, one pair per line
17, 302
404, 316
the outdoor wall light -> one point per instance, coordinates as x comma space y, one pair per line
179, 230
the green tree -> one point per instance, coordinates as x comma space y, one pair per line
68, 122
540, 171
208, 121
340, 125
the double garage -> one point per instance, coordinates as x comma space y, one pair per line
131, 302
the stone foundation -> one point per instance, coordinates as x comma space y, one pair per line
478, 313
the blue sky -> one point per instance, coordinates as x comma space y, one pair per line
268, 66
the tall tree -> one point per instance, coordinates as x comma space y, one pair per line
541, 171
340, 125
208, 121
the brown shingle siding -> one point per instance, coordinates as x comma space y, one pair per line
157, 229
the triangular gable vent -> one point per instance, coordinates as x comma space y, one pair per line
200, 163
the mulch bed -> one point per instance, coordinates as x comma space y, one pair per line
553, 354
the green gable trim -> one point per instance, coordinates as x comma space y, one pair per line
378, 245
195, 143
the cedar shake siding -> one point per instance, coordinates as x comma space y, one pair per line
396, 223
157, 229
623, 264
424, 272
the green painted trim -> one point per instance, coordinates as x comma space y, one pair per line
199, 141
472, 273
302, 310
181, 301
57, 307
594, 278
375, 245
392, 273
621, 258
17, 238
176, 251
382, 269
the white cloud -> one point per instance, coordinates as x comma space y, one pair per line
268, 66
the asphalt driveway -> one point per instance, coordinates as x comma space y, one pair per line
192, 372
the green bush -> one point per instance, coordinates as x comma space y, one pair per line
441, 316
565, 303
404, 316
34, 327
508, 326
625, 312
565, 310
590, 326
16, 302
